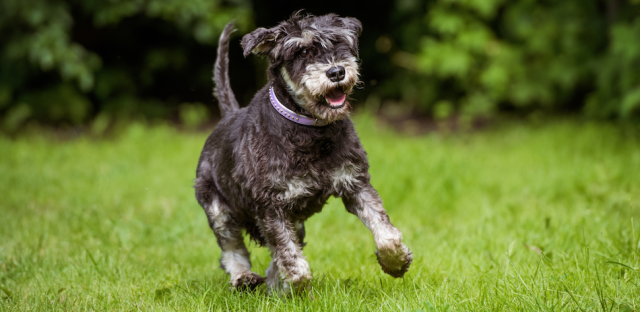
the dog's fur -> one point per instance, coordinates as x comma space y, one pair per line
265, 174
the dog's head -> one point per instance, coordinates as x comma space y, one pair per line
317, 59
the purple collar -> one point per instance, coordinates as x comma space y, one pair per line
289, 114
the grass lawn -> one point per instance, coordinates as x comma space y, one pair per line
518, 217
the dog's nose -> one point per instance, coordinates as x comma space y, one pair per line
336, 74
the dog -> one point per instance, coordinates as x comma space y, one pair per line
268, 167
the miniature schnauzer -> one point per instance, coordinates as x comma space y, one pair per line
268, 167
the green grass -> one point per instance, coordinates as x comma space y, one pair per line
519, 217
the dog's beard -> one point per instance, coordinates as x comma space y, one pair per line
321, 97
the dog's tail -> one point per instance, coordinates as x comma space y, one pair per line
222, 87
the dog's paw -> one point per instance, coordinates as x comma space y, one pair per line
295, 274
396, 261
297, 283
247, 281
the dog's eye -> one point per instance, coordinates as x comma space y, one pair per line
304, 53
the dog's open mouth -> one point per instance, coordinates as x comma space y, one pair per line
336, 98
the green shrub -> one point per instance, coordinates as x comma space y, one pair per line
525, 55
46, 74
76, 62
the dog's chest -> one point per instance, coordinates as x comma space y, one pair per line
333, 181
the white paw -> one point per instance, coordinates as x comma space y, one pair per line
297, 277
395, 261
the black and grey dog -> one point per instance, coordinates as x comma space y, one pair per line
268, 167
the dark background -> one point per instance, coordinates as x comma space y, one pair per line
95, 63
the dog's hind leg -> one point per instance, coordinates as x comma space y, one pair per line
287, 261
235, 256
393, 256
272, 275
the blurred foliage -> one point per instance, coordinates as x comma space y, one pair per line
483, 56
64, 62
73, 62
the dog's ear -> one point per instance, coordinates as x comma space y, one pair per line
260, 42
352, 24
354, 28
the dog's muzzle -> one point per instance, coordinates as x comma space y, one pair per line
336, 97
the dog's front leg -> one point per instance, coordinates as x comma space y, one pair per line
286, 253
394, 257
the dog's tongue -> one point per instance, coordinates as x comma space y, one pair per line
336, 97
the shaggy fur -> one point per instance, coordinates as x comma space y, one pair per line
265, 174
